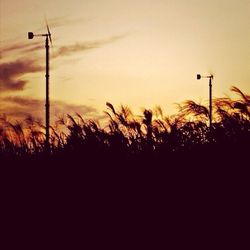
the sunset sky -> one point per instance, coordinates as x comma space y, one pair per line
139, 53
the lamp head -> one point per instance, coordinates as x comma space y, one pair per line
198, 76
30, 35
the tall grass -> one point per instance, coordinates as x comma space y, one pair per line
151, 134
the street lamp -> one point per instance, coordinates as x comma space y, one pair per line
47, 36
210, 95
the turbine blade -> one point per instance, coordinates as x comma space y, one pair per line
50, 39
48, 29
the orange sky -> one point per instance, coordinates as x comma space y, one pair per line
140, 53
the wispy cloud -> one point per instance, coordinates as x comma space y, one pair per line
33, 48
20, 47
83, 46
11, 73
66, 50
20, 107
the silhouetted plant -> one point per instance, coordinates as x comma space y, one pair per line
128, 135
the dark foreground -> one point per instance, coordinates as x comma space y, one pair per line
192, 197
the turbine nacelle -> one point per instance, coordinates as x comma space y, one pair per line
200, 76
31, 35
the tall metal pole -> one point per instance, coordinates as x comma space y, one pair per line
210, 100
210, 96
47, 105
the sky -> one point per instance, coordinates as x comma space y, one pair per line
139, 53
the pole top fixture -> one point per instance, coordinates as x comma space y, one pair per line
30, 35
198, 76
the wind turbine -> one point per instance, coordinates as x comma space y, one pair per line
48, 39
210, 95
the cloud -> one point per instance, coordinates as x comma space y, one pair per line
17, 107
60, 107
24, 48
83, 46
33, 48
11, 72
21, 47
67, 50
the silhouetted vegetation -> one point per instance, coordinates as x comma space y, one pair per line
126, 137
132, 173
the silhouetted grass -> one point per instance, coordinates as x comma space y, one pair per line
136, 140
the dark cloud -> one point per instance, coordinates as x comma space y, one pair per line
21, 107
11, 72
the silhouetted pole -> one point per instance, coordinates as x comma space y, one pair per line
210, 96
47, 105
210, 100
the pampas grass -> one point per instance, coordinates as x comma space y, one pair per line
125, 134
